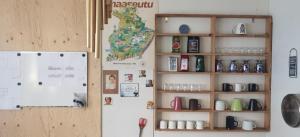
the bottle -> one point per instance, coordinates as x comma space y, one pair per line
200, 65
219, 66
233, 66
260, 68
246, 66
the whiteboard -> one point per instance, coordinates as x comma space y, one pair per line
10, 77
47, 78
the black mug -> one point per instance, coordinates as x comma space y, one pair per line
194, 105
231, 123
254, 105
252, 87
227, 87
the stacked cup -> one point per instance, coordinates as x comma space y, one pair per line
182, 124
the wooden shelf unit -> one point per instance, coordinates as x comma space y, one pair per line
178, 54
244, 92
182, 35
212, 55
183, 110
243, 35
216, 129
186, 92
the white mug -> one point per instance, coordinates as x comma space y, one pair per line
190, 124
220, 105
181, 124
172, 124
238, 87
240, 28
200, 124
163, 124
248, 125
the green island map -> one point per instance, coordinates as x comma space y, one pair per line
132, 37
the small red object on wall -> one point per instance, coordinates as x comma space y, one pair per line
184, 63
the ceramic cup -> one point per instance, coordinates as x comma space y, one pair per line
190, 124
172, 124
220, 105
248, 125
200, 124
236, 105
238, 87
163, 124
181, 124
240, 28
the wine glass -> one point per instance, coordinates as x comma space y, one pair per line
171, 86
165, 86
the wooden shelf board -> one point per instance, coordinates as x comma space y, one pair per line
240, 73
243, 35
185, 130
183, 35
183, 110
216, 129
212, 15
178, 54
241, 54
223, 129
243, 111
243, 92
180, 72
190, 92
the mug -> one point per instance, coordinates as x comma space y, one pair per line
254, 105
227, 87
176, 104
200, 124
238, 87
240, 29
163, 124
190, 124
236, 105
172, 124
248, 125
231, 123
194, 105
252, 87
181, 124
220, 105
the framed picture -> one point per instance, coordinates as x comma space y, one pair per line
129, 89
107, 100
176, 44
110, 81
149, 83
128, 77
173, 63
142, 73
184, 63
193, 45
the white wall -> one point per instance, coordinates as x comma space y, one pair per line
215, 7
285, 36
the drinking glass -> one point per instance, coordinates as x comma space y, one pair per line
193, 87
177, 87
261, 50
249, 50
236, 50
230, 50
171, 86
185, 87
198, 87
165, 86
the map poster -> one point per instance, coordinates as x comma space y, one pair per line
128, 38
